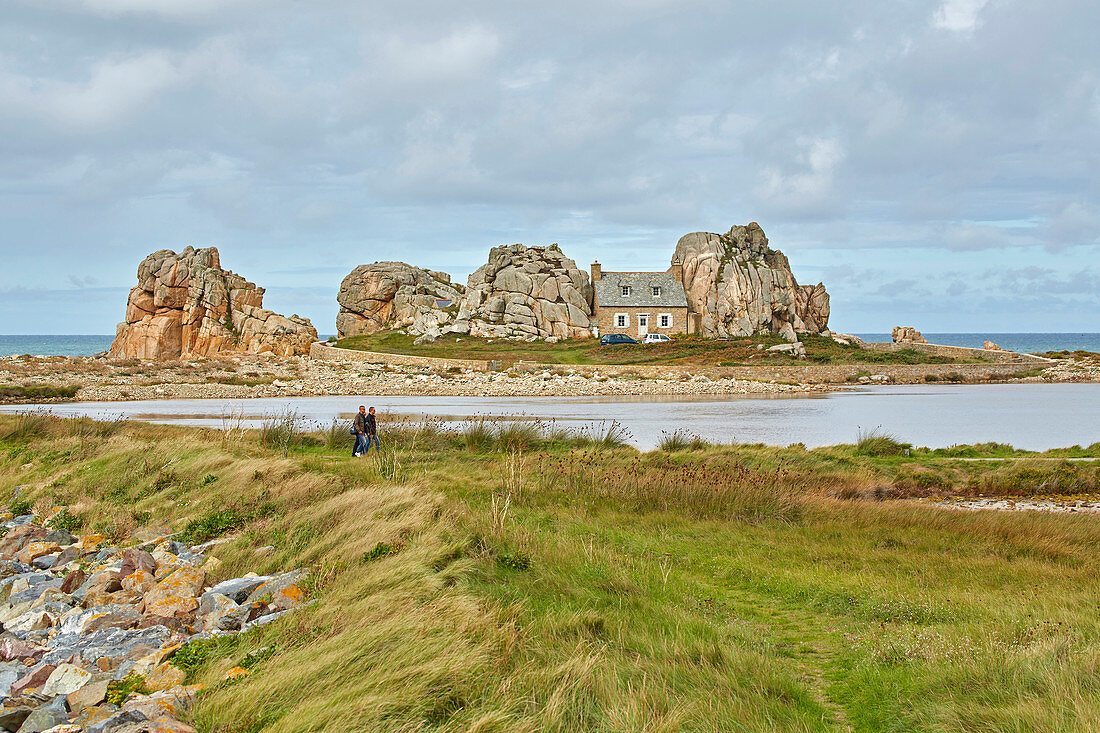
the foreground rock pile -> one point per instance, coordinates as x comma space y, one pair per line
85, 623
738, 286
185, 305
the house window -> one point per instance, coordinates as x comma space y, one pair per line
666, 320
656, 291
626, 291
622, 320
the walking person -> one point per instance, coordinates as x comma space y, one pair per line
359, 430
372, 433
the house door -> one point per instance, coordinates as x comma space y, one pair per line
643, 325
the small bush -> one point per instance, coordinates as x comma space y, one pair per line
208, 479
514, 560
931, 378
194, 655
382, 549
209, 526
67, 521
38, 392
119, 690
519, 435
20, 507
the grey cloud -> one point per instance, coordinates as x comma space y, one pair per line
429, 131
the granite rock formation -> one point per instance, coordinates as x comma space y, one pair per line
388, 295
187, 306
526, 293
737, 285
906, 335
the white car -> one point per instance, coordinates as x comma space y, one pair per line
655, 338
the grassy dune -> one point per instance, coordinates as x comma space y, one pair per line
522, 579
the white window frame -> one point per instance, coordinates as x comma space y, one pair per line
661, 320
624, 318
640, 317
656, 291
626, 291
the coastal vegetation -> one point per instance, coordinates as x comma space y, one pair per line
515, 576
682, 350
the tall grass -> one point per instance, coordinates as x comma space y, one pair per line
877, 442
281, 431
28, 426
338, 435
680, 440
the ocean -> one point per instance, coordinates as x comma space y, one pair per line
87, 345
1028, 343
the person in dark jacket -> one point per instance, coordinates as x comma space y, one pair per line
359, 428
372, 433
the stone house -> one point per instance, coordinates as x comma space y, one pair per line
637, 303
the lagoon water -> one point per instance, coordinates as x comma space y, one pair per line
1032, 416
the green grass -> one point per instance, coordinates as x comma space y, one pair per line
590, 587
37, 392
684, 350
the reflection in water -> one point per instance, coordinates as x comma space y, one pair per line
1034, 416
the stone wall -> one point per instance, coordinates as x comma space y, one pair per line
323, 352
605, 320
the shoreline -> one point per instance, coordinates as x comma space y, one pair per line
96, 379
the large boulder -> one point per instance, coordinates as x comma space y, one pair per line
526, 293
739, 286
186, 306
389, 295
906, 335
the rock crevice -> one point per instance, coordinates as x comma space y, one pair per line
387, 295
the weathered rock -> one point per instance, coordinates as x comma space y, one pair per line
65, 679
526, 292
87, 696
12, 717
239, 589
164, 677
186, 305
739, 286
175, 594
390, 295
907, 335
990, 346
16, 649
136, 560
36, 677
42, 719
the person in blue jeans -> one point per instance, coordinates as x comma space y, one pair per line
359, 429
372, 433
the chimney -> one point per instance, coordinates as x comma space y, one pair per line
677, 269
597, 272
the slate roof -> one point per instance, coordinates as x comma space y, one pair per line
609, 290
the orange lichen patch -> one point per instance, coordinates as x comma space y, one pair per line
91, 541
164, 677
236, 673
33, 550
139, 582
91, 716
175, 593
290, 597
165, 724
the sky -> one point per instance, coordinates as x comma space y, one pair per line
933, 163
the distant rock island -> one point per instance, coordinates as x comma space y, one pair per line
719, 286
185, 305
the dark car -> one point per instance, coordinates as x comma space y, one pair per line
616, 338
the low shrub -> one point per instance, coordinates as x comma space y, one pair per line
516, 560
119, 690
67, 521
877, 442
20, 507
382, 549
209, 526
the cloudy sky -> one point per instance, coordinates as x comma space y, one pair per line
934, 163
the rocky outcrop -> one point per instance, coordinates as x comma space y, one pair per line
86, 622
739, 286
186, 306
906, 335
991, 346
389, 295
526, 293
